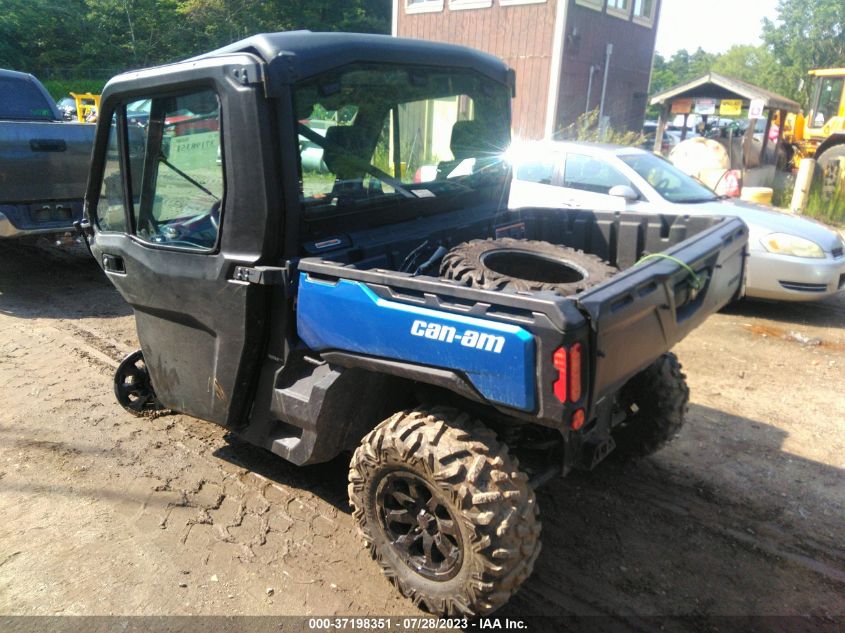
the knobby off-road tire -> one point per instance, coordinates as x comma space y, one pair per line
521, 265
440, 471
656, 401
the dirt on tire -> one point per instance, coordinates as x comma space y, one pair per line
486, 492
524, 265
657, 399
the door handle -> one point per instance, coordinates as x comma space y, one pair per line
113, 264
47, 145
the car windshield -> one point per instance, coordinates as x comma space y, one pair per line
669, 181
371, 135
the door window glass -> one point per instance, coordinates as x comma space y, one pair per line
591, 174
176, 170
540, 170
110, 212
830, 96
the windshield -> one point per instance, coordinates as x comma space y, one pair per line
371, 135
669, 181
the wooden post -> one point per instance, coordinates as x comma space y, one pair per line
779, 141
661, 128
746, 146
802, 185
766, 137
684, 131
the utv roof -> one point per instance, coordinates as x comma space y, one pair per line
294, 55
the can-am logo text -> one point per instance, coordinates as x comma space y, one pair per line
449, 334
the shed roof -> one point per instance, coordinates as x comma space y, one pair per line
715, 86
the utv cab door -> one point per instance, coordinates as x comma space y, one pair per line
178, 235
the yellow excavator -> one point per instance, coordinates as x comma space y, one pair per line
820, 134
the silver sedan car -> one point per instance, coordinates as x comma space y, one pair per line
791, 258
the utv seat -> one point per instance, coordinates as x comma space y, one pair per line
345, 154
466, 142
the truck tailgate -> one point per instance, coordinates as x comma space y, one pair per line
41, 161
644, 311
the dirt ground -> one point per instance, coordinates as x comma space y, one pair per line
104, 513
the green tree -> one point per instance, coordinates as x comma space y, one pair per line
754, 64
97, 38
806, 34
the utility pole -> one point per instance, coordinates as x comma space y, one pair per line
593, 69
602, 125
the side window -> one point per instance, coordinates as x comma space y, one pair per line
110, 211
591, 174
540, 170
176, 169
829, 97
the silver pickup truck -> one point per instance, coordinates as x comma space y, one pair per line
43, 161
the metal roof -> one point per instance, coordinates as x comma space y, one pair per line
715, 86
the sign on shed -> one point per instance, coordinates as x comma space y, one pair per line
730, 107
755, 111
682, 106
705, 106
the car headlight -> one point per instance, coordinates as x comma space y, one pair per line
785, 244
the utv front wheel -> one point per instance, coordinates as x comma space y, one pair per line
655, 405
445, 511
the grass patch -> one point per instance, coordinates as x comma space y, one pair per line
59, 88
829, 209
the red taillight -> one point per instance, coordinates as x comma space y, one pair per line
575, 372
567, 387
577, 419
559, 362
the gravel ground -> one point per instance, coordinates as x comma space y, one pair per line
107, 514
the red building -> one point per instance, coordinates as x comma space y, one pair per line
559, 49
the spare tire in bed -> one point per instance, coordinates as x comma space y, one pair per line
509, 264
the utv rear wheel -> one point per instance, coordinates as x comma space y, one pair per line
655, 403
509, 264
445, 511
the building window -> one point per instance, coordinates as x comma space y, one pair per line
598, 5
423, 6
619, 8
506, 3
644, 12
457, 5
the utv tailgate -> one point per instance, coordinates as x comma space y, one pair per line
646, 310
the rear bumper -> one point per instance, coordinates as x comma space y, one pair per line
784, 278
39, 218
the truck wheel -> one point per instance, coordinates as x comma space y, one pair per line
828, 158
509, 264
445, 511
655, 401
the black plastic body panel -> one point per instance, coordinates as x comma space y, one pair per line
624, 324
227, 351
203, 333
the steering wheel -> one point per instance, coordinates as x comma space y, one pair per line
662, 184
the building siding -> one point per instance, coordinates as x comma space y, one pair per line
521, 35
586, 35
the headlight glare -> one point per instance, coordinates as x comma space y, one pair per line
785, 244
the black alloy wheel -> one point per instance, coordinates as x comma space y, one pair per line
416, 520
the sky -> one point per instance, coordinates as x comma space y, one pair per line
714, 25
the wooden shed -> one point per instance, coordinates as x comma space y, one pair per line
559, 49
